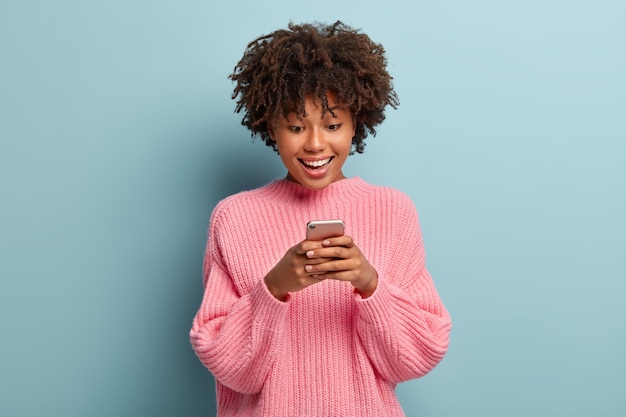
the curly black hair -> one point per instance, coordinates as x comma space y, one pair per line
280, 70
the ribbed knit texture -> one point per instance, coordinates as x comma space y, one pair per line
325, 352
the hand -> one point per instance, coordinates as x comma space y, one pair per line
290, 274
339, 258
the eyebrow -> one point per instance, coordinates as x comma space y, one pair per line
331, 110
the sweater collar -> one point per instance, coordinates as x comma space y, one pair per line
291, 192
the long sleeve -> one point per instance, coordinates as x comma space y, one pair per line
403, 326
236, 337
325, 351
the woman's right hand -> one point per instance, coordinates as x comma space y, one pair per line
290, 274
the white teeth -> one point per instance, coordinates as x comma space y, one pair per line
316, 164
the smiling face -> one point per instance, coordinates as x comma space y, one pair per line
314, 148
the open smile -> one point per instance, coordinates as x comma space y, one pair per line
316, 164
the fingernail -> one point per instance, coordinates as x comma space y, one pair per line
326, 242
310, 254
308, 268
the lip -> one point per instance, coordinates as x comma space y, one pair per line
316, 173
310, 160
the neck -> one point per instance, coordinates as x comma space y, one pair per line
290, 178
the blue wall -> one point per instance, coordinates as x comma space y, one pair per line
118, 137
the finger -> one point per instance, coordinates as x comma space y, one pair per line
312, 270
322, 252
332, 265
336, 275
308, 245
305, 246
319, 277
318, 261
345, 241
332, 252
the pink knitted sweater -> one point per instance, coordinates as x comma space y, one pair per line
324, 351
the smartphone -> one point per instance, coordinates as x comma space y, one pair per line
322, 229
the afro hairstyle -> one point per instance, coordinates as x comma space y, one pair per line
279, 71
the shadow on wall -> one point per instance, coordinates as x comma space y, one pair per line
242, 165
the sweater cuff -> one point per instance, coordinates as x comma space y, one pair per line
375, 308
268, 311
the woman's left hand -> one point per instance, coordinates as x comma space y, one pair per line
347, 263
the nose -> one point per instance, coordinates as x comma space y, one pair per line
315, 141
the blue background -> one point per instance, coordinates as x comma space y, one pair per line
118, 137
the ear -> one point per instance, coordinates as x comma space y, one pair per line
271, 133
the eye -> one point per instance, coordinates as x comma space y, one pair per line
334, 126
296, 129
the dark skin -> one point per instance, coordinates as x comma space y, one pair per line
279, 69
312, 136
310, 262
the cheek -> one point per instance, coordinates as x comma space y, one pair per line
285, 147
346, 146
